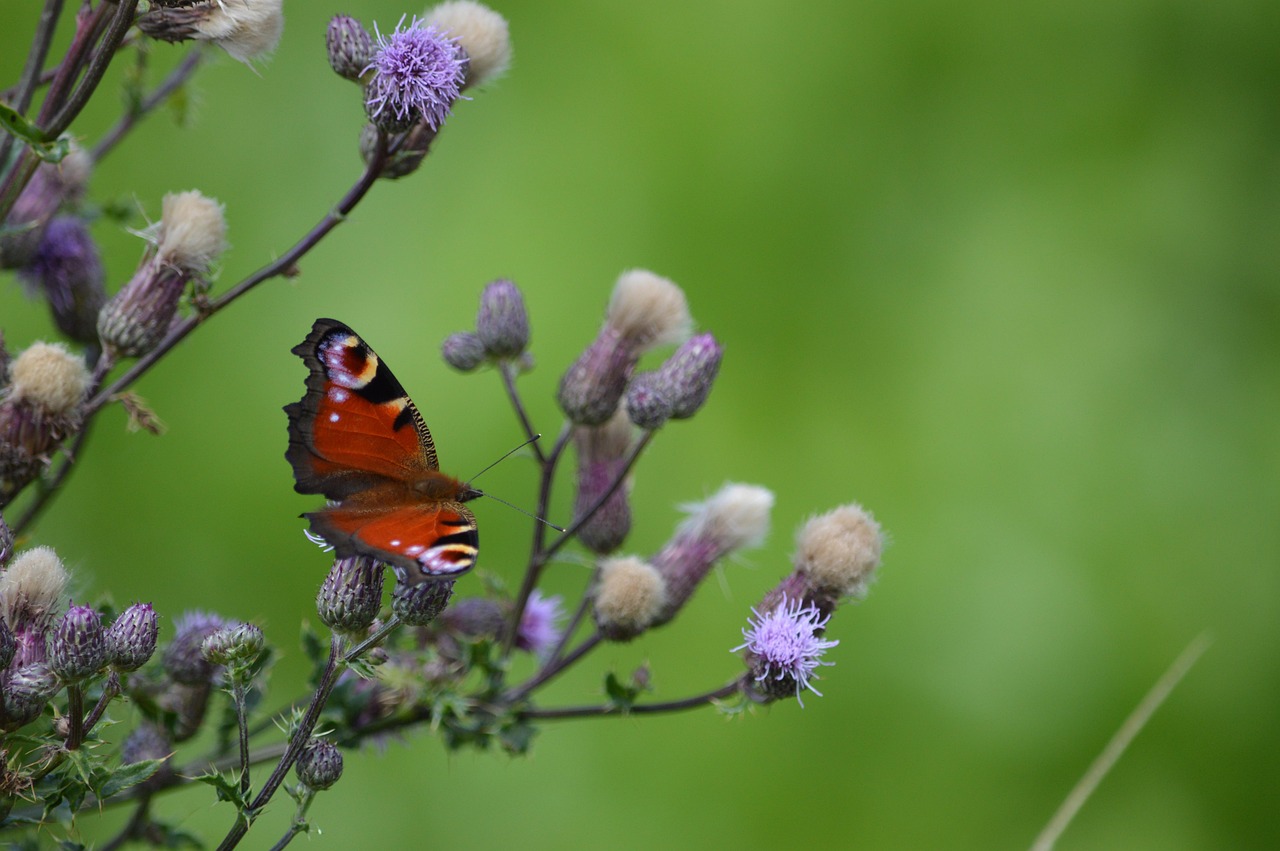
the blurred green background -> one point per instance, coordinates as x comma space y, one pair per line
1007, 274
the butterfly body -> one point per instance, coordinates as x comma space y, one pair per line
357, 438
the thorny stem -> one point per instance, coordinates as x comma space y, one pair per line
75, 714
282, 265
726, 690
299, 819
177, 77
109, 692
242, 722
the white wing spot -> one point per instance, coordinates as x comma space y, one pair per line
414, 550
396, 542
333, 418
338, 395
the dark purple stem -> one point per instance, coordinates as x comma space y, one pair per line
694, 702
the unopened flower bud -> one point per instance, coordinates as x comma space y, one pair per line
235, 645
418, 605
838, 552
351, 595
481, 32
629, 597
319, 765
648, 402
52, 186
67, 271
474, 617
503, 323
646, 310
350, 46
417, 75
183, 659
245, 29
26, 692
30, 597
188, 241
463, 351
735, 517
602, 457
688, 374
78, 645
131, 639
148, 742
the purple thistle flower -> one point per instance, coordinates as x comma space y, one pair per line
418, 74
783, 646
539, 631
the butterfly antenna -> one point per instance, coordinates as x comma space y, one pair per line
503, 458
541, 520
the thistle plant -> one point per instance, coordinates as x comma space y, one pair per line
391, 651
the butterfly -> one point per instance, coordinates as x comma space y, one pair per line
358, 439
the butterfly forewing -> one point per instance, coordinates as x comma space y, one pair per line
358, 439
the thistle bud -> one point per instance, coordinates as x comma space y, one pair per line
8, 645
319, 765
183, 659
147, 742
351, 594
47, 386
52, 186
481, 32
602, 457
245, 29
30, 596
67, 271
503, 323
463, 351
131, 640
411, 148
687, 375
645, 311
27, 691
648, 402
189, 239
736, 517
350, 47
629, 597
474, 617
78, 645
418, 605
236, 645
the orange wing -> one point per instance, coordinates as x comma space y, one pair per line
426, 541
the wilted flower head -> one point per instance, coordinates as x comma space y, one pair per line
48, 377
131, 639
481, 32
734, 518
646, 310
417, 75
503, 323
838, 552
67, 271
30, 597
184, 660
78, 645
42, 408
245, 29
602, 454
629, 597
784, 648
539, 625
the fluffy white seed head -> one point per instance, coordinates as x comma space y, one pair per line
838, 552
630, 595
31, 589
47, 376
245, 29
482, 33
648, 310
192, 232
735, 517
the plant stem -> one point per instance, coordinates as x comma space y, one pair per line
75, 714
507, 369
299, 820
639, 709
98, 61
551, 669
109, 692
31, 72
242, 722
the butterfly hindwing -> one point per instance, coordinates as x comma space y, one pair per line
357, 438
355, 424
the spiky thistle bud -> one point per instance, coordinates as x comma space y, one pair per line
418, 605
481, 32
351, 595
648, 401
502, 323
417, 75
319, 765
474, 617
30, 598
602, 457
245, 29
147, 742
47, 385
67, 271
78, 645
463, 351
687, 376
187, 242
539, 630
734, 518
131, 639
784, 648
183, 659
235, 645
646, 310
628, 597
26, 693
350, 46
52, 186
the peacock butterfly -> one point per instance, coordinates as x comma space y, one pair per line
357, 438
